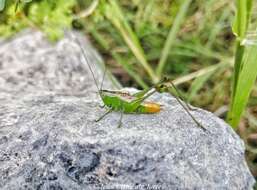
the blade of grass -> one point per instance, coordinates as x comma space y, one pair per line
199, 73
239, 29
245, 83
242, 18
114, 14
16, 5
202, 50
217, 28
237, 68
198, 84
88, 11
148, 10
126, 66
172, 35
2, 3
240, 26
208, 12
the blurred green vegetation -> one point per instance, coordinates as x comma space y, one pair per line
143, 40
46, 15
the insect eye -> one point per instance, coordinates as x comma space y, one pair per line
162, 86
165, 79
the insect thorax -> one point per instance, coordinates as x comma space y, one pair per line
116, 101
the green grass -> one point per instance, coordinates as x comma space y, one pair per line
2, 5
114, 14
172, 36
245, 71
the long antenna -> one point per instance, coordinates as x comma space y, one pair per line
103, 78
87, 61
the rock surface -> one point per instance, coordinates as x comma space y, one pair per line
49, 140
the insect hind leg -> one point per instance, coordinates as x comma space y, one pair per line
190, 114
190, 107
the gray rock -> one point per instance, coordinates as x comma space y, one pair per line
49, 140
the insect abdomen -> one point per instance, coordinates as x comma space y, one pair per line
149, 107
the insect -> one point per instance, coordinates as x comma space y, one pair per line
125, 102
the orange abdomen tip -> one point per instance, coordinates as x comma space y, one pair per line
152, 107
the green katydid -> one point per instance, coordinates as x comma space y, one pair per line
125, 102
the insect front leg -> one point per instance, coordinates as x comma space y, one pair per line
101, 117
121, 116
102, 106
